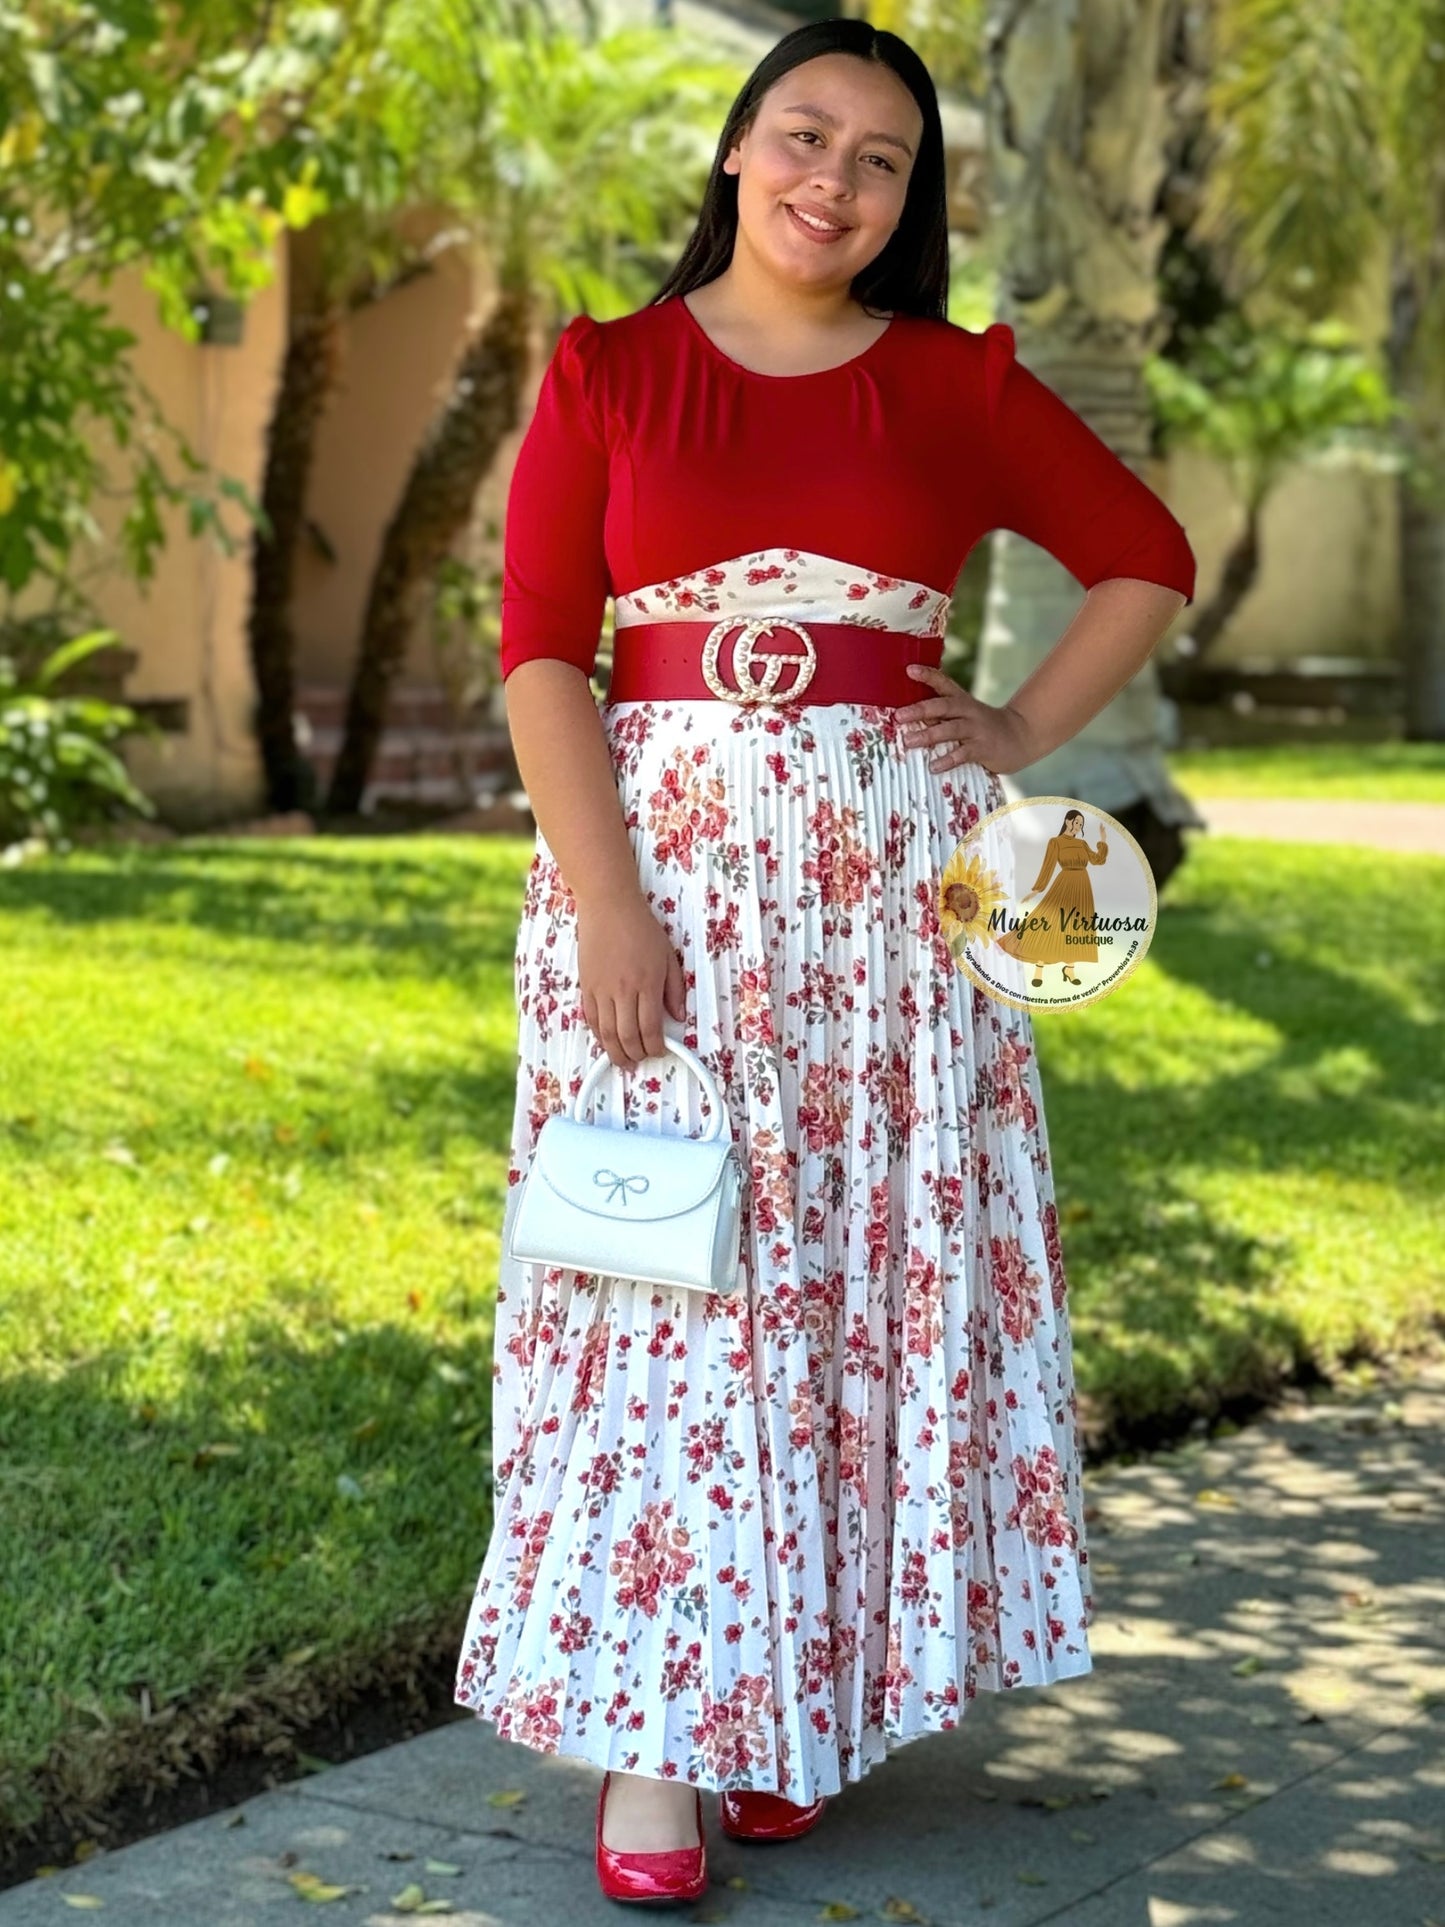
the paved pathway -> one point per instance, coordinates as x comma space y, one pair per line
1261, 1742
1415, 827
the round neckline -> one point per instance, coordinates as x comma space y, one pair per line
759, 374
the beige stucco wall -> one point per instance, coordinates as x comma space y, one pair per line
397, 361
188, 624
1329, 580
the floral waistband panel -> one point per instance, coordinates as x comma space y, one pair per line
789, 582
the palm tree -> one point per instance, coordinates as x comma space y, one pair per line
1330, 151
309, 372
363, 156
1322, 136
549, 148
1080, 115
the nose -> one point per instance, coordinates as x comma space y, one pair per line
835, 184
830, 199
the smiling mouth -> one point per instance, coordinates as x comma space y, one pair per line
813, 223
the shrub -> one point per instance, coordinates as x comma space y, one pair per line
57, 769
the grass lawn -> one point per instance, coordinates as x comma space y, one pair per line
254, 1102
1343, 772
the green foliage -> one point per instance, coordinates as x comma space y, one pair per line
1334, 771
1328, 144
947, 36
173, 140
465, 630
1295, 185
580, 160
182, 141
56, 767
1260, 398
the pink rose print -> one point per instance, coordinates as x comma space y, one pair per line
1054, 1255
654, 1555
731, 1734
533, 1535
851, 1445
686, 807
771, 1186
1016, 1284
754, 1007
531, 1715
826, 1102
838, 862
924, 1304
1039, 1511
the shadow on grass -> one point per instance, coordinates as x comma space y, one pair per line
426, 903
196, 1572
349, 1111
1344, 1081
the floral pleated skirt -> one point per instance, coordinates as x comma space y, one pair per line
762, 1539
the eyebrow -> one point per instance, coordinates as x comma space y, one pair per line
831, 120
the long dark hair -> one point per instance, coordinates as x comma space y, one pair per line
910, 274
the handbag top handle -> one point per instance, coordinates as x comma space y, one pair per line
689, 1057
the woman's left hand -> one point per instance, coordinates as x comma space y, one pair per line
967, 730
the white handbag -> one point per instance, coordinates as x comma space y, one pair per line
653, 1206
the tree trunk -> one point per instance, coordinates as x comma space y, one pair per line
1177, 675
436, 501
1420, 494
1422, 619
1236, 579
1080, 108
308, 377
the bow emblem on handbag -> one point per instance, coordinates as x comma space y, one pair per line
635, 1183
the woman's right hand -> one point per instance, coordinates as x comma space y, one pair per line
630, 977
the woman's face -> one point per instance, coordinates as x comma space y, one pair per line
836, 136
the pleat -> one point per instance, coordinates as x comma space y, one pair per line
763, 1540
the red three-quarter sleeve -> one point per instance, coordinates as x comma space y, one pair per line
555, 579
1060, 485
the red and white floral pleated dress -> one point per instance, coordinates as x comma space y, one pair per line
763, 1540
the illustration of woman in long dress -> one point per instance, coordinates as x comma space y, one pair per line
1059, 928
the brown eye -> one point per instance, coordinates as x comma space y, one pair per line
799, 133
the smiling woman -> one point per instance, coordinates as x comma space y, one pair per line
755, 1541
821, 180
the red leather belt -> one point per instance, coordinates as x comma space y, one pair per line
768, 660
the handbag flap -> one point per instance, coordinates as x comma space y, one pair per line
628, 1175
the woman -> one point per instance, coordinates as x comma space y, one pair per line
754, 1543
1059, 928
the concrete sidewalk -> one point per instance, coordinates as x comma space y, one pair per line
1414, 828
1261, 1741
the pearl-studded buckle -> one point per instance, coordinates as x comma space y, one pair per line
750, 689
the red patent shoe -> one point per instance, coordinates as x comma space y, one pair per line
678, 1873
764, 1816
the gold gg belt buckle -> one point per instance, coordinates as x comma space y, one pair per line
749, 688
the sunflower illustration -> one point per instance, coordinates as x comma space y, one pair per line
967, 893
